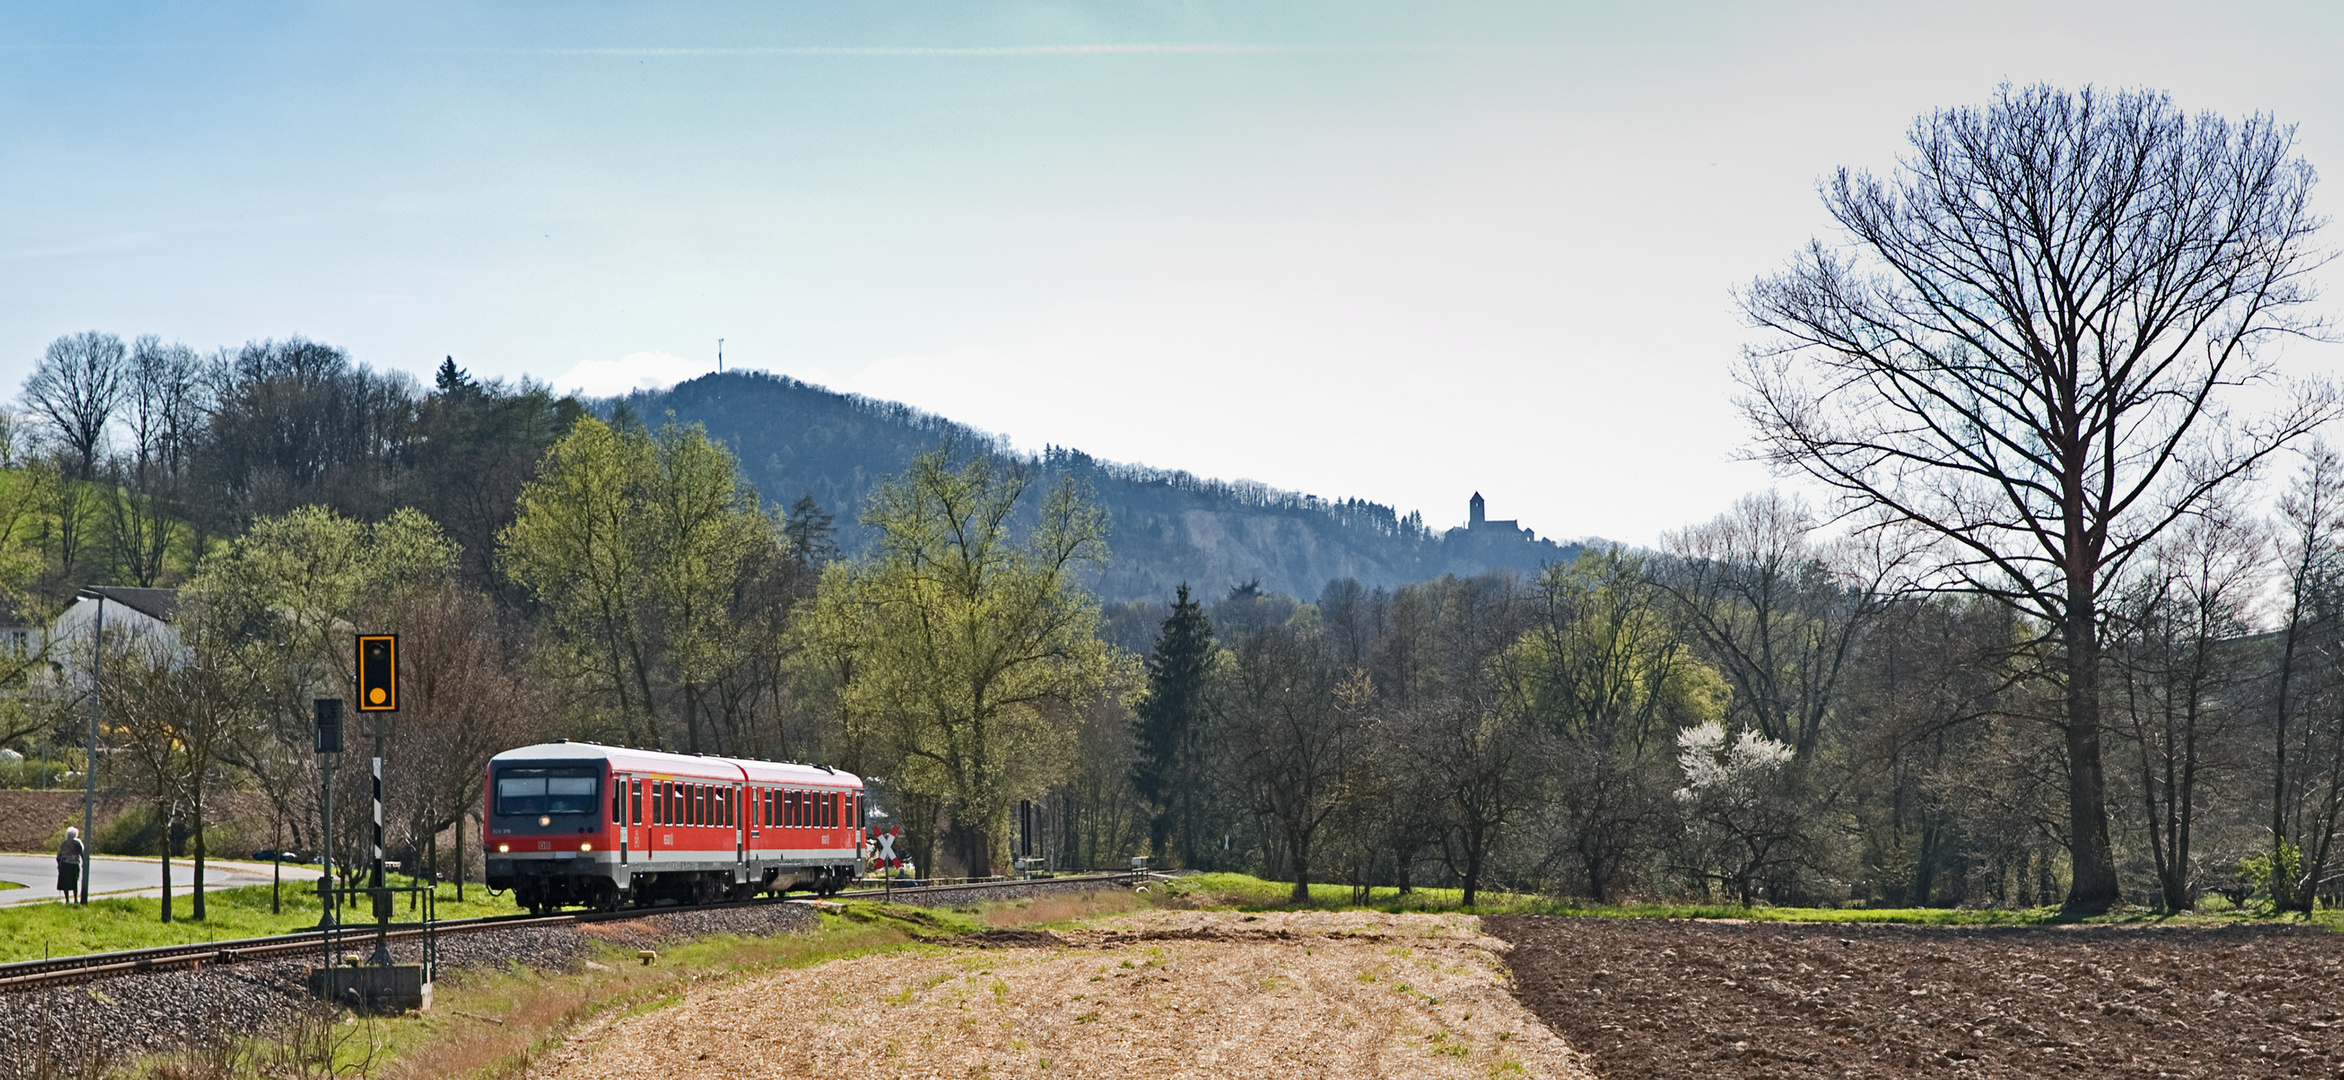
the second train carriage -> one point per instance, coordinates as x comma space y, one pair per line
583, 823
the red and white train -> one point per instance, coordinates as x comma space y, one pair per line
583, 823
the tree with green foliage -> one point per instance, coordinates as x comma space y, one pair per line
1169, 762
637, 544
275, 610
1604, 674
961, 647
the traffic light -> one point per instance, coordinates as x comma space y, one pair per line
329, 724
378, 673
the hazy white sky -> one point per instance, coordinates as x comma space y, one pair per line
1400, 252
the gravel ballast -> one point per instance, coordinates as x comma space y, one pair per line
111, 1019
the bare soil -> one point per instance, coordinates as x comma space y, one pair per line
1154, 994
1678, 999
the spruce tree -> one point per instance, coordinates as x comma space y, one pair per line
1169, 768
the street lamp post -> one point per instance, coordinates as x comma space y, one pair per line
89, 766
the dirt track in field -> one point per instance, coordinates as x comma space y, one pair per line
1671, 999
1157, 994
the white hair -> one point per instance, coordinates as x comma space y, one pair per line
73, 832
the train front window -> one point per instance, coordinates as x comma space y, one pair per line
523, 790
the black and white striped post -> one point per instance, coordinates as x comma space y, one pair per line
382, 943
378, 693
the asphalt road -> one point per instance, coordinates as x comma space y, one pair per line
133, 877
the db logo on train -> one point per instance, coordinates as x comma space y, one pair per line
886, 856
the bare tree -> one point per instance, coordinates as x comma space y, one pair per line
1294, 745
76, 387
2178, 678
2026, 352
1461, 741
462, 701
2307, 730
1767, 605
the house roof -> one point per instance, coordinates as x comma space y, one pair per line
157, 604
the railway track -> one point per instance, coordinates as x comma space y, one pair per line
29, 974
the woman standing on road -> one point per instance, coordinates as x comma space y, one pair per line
69, 863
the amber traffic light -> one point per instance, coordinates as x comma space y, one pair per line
378, 673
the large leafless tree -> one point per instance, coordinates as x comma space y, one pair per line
2025, 349
76, 387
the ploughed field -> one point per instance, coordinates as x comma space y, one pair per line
1649, 998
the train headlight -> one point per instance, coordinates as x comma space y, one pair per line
545, 821
504, 847
585, 847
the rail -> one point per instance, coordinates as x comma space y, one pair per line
30, 974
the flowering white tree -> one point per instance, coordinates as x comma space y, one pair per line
1745, 820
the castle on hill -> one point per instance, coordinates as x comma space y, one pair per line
1477, 522
1484, 543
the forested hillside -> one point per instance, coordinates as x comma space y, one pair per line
795, 439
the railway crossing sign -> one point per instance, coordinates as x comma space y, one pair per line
886, 839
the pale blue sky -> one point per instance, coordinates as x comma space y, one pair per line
1399, 252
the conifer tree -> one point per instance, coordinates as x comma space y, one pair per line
1169, 768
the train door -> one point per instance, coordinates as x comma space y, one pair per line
618, 811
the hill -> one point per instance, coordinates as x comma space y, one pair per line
794, 438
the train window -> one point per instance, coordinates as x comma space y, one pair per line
618, 803
724, 807
825, 807
635, 802
797, 809
658, 795
700, 805
557, 789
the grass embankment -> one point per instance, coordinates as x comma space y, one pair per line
35, 931
1249, 893
494, 1024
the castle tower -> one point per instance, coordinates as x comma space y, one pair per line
1476, 516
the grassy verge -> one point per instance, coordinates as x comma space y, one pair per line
34, 931
1247, 893
488, 1025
